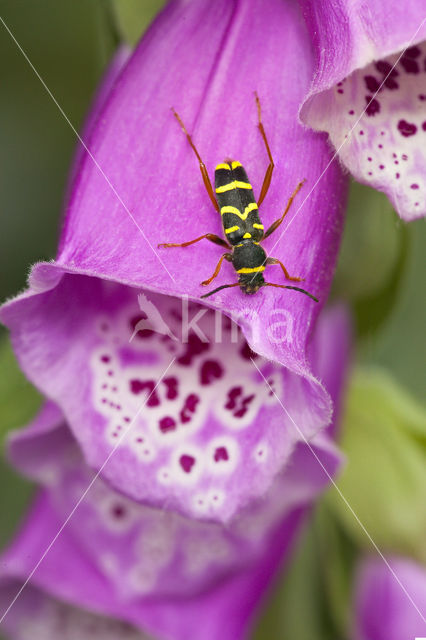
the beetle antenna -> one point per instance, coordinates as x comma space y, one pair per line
283, 286
224, 286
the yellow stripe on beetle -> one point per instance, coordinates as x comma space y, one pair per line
236, 164
223, 166
236, 184
258, 226
251, 269
231, 229
251, 207
246, 236
229, 209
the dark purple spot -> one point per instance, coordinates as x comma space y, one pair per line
397, 176
390, 74
361, 133
385, 68
186, 462
396, 162
103, 400
414, 186
380, 146
236, 403
171, 387
167, 424
221, 453
391, 83
394, 155
104, 386
381, 166
246, 353
339, 84
211, 370
370, 173
424, 125
339, 90
351, 112
189, 408
194, 347
105, 358
110, 372
139, 440
126, 419
406, 129
370, 159
404, 156
410, 66
118, 511
138, 386
422, 97
408, 60
412, 52
372, 83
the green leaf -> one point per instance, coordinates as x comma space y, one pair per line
133, 17
295, 609
372, 258
384, 439
19, 400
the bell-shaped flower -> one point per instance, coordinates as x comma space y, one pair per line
181, 409
369, 92
87, 548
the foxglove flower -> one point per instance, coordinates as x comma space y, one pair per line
207, 435
369, 92
386, 609
169, 576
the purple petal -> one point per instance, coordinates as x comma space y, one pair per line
110, 76
369, 93
145, 157
155, 569
39, 616
384, 611
210, 434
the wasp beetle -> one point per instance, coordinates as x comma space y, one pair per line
234, 199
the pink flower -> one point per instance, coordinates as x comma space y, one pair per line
369, 92
166, 575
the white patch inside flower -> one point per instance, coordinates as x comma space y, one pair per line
382, 138
222, 455
159, 411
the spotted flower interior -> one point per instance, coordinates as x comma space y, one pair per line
376, 119
195, 419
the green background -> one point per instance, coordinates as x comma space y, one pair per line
379, 275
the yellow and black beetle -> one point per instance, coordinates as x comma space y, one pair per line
234, 200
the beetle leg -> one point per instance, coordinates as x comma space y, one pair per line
203, 169
277, 223
209, 236
226, 256
268, 175
286, 273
